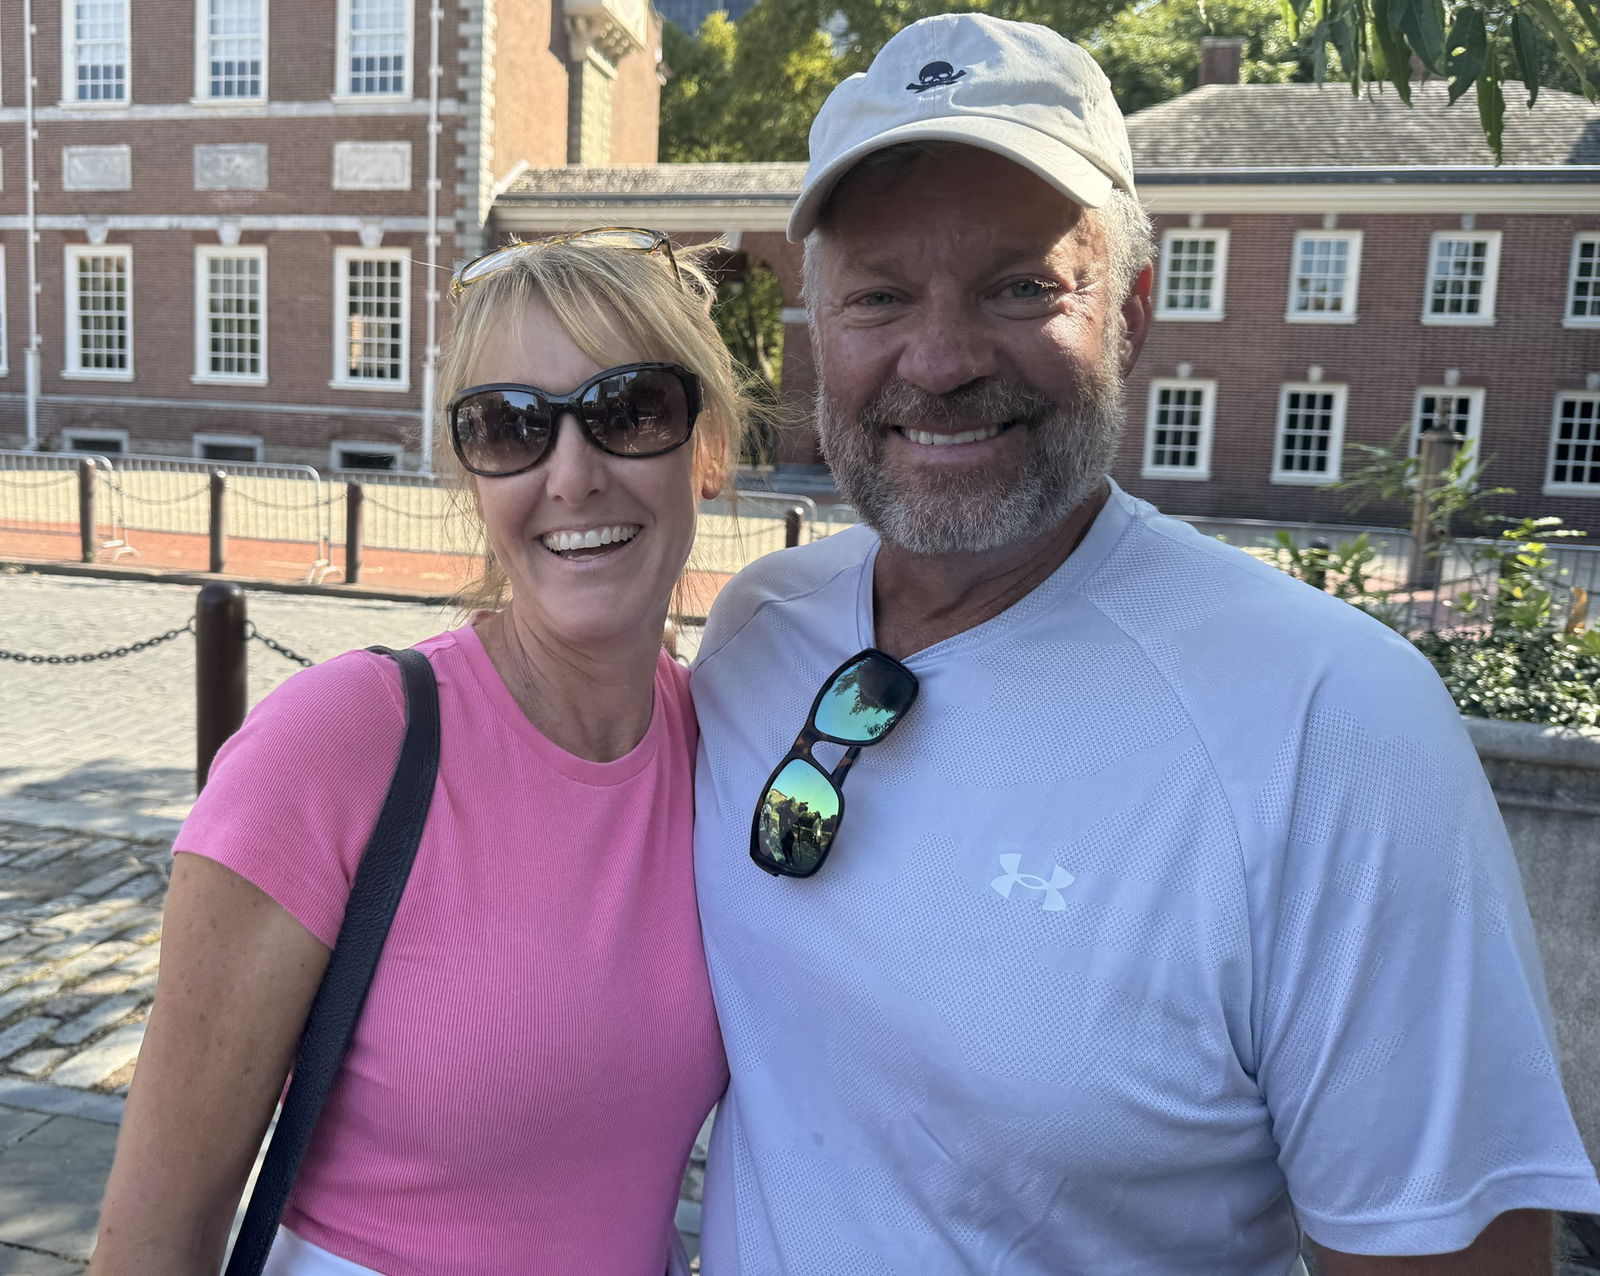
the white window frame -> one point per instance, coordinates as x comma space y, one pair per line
1308, 478
1352, 278
199, 441
1474, 397
1551, 487
1208, 408
74, 371
362, 445
343, 91
204, 254
5, 327
69, 61
1592, 319
70, 434
1217, 309
1491, 280
341, 379
202, 58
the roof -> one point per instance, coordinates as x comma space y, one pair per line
1307, 128
725, 184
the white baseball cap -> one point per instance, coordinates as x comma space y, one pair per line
1017, 89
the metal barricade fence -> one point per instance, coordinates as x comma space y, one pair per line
282, 503
412, 512
40, 497
756, 524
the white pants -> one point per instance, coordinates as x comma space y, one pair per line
292, 1256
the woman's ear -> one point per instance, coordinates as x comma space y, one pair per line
712, 463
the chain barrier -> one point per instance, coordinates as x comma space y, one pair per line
112, 653
403, 513
250, 631
61, 476
237, 494
123, 492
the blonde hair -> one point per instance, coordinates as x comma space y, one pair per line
616, 304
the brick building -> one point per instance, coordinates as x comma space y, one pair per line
1333, 269
244, 212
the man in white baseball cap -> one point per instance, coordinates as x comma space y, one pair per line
1170, 920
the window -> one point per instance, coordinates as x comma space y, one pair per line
1575, 445
99, 312
1583, 292
105, 442
231, 54
374, 48
227, 447
366, 456
1323, 277
1194, 268
1437, 408
371, 290
1310, 434
1462, 274
1177, 441
95, 51
230, 331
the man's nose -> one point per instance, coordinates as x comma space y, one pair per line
948, 347
575, 470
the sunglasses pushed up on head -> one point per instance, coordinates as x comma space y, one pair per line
635, 410
801, 806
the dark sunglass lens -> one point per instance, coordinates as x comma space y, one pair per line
865, 700
797, 818
639, 413
501, 430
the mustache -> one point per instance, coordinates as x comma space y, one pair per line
988, 402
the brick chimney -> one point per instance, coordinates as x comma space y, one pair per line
1220, 58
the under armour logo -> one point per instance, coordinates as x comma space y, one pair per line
936, 75
1059, 877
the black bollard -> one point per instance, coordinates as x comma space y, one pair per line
220, 666
219, 521
86, 536
793, 521
354, 496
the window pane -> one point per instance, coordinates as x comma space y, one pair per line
1190, 279
1177, 428
1575, 455
101, 284
1584, 301
1306, 438
375, 307
100, 51
235, 48
233, 317
1322, 269
378, 46
1457, 275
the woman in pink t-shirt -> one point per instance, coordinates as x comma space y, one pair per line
538, 1048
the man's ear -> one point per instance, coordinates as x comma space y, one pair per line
1137, 310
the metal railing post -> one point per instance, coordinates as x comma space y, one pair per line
354, 495
219, 521
793, 521
220, 665
86, 536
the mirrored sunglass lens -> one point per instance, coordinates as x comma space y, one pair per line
799, 815
639, 413
501, 430
621, 237
865, 700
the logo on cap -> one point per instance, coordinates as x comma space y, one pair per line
936, 75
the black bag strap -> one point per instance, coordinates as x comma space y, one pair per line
374, 895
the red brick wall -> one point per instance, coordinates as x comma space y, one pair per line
530, 113
636, 103
1520, 362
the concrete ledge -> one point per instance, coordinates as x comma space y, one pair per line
1552, 769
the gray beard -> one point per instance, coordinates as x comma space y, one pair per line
1069, 452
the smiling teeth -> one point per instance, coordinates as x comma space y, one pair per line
595, 537
945, 440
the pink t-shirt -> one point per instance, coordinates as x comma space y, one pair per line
538, 1048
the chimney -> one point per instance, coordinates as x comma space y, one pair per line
1220, 57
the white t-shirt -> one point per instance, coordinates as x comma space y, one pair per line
1178, 896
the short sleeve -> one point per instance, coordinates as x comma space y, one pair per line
294, 794
1403, 1037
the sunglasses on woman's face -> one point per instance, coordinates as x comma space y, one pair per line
800, 809
638, 409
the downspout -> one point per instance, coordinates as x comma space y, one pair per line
30, 135
430, 354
